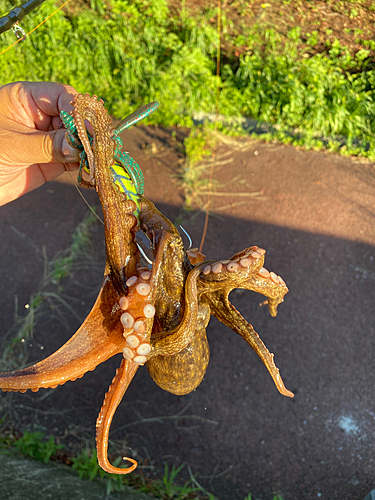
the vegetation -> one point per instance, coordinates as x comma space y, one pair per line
34, 445
308, 87
192, 179
312, 92
37, 446
85, 464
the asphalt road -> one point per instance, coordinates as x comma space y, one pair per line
315, 218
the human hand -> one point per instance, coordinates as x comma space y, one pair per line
32, 148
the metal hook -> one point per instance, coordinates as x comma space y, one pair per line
188, 236
143, 253
19, 32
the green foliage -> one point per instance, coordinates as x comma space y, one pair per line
124, 51
87, 467
312, 38
34, 445
196, 147
311, 93
168, 490
131, 52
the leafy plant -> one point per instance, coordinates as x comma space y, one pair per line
130, 53
313, 38
198, 145
168, 490
87, 467
34, 445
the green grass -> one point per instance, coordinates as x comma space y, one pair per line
86, 466
193, 175
38, 446
35, 445
132, 52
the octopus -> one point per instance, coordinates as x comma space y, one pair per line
154, 314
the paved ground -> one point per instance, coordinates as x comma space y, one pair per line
28, 479
237, 433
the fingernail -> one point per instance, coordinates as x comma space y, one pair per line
70, 154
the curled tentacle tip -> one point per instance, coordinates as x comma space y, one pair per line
107, 467
129, 469
287, 393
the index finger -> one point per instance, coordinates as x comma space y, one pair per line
41, 101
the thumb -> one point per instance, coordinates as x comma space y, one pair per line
24, 147
48, 147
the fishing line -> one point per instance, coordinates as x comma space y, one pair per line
81, 194
218, 55
36, 27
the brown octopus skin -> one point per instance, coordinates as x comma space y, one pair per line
183, 295
179, 359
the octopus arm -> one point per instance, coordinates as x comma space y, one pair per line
170, 343
120, 383
225, 312
99, 338
273, 291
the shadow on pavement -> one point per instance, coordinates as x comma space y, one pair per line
236, 432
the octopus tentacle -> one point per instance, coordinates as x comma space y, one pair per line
225, 312
244, 270
270, 285
89, 108
169, 343
137, 319
99, 338
195, 256
240, 267
116, 391
119, 220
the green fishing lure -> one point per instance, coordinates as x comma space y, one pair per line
127, 175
